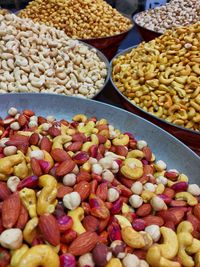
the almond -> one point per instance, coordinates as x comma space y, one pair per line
121, 150
91, 223
22, 120
196, 211
153, 220
28, 112
53, 131
4, 191
63, 190
83, 188
102, 191
16, 140
65, 167
23, 218
49, 229
36, 167
144, 210
41, 120
59, 155
34, 139
74, 147
147, 152
11, 210
84, 243
45, 144
79, 137
83, 176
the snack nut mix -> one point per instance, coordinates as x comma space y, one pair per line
80, 19
176, 13
162, 77
82, 193
38, 58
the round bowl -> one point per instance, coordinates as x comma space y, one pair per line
189, 137
146, 34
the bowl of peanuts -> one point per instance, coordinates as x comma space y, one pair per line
94, 22
81, 187
154, 22
160, 81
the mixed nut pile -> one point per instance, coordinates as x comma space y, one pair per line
163, 76
37, 58
173, 14
82, 193
80, 19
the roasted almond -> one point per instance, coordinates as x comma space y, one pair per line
83, 188
45, 144
63, 190
34, 139
4, 191
36, 167
59, 155
65, 167
23, 218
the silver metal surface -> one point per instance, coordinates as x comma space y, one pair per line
164, 145
137, 107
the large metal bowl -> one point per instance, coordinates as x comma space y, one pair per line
164, 145
146, 34
187, 136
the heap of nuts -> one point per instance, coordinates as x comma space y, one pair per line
163, 76
80, 19
82, 193
37, 58
3, 11
173, 14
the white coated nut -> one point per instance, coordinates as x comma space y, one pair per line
34, 118
69, 179
32, 124
50, 118
9, 150
154, 231
106, 162
113, 194
3, 141
86, 260
141, 144
135, 201
157, 203
15, 126
107, 175
45, 126
11, 238
194, 189
38, 154
97, 169
150, 187
161, 180
131, 260
160, 165
12, 183
75, 170
92, 160
12, 111
137, 188
72, 201
143, 263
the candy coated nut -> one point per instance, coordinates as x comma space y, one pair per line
40, 255
132, 238
67, 260
11, 238
113, 194
192, 201
72, 200
194, 189
135, 201
157, 203
77, 216
86, 259
137, 188
114, 262
118, 249
154, 231
37, 154
131, 260
17, 255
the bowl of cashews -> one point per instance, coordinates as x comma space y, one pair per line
160, 80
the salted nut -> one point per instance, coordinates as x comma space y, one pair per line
91, 196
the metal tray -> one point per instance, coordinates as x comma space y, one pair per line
187, 136
164, 145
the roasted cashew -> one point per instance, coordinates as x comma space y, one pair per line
191, 200
132, 238
94, 141
123, 221
122, 140
87, 129
132, 168
136, 153
47, 201
40, 255
60, 140
29, 231
17, 255
7, 165
28, 198
80, 118
77, 216
21, 170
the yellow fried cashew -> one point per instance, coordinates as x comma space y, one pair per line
21, 170
47, 198
17, 255
40, 255
28, 198
147, 195
48, 158
136, 153
123, 221
114, 262
77, 216
122, 140
7, 164
160, 255
191, 200
132, 238
87, 129
66, 130
132, 168
30, 230
197, 259
79, 118
94, 141
60, 140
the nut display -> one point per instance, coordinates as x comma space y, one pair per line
3, 11
173, 14
150, 218
80, 19
163, 76
37, 58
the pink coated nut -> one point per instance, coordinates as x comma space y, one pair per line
65, 222
59, 211
171, 175
116, 207
166, 198
114, 232
81, 157
45, 166
144, 162
67, 260
29, 182
93, 151
180, 186
139, 224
